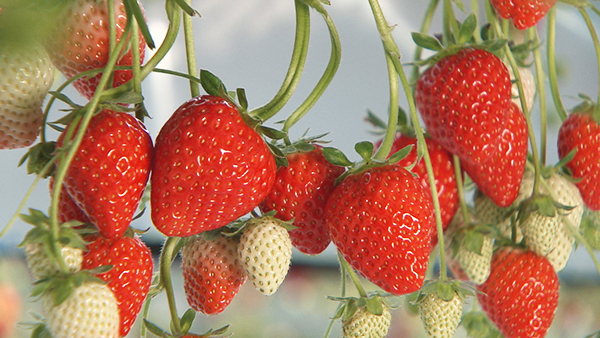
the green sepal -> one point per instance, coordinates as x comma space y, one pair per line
187, 8
38, 157
467, 29
336, 157
400, 154
364, 149
590, 229
40, 330
154, 329
427, 41
374, 305
213, 85
349, 310
132, 7
242, 98
272, 133
478, 325
187, 320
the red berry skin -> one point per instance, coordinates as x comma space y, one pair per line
462, 100
109, 172
500, 177
443, 171
521, 294
67, 207
212, 273
211, 168
524, 13
580, 131
82, 43
381, 221
300, 192
130, 277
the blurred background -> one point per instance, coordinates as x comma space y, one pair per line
248, 44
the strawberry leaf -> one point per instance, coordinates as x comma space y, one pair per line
427, 41
467, 29
400, 154
374, 306
336, 157
187, 320
364, 149
212, 84
133, 8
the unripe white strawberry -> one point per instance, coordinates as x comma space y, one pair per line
528, 83
91, 311
265, 250
366, 324
487, 212
41, 266
26, 74
475, 265
440, 318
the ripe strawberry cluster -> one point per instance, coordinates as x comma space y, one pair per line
212, 171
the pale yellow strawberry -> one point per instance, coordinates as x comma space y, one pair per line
366, 324
475, 265
528, 83
26, 75
41, 266
265, 250
91, 311
440, 318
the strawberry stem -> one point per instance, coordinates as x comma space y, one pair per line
166, 259
425, 25
539, 70
135, 55
461, 190
295, 68
346, 268
552, 70
343, 294
330, 70
190, 52
594, 36
388, 140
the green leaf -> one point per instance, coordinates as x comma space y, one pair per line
132, 7
153, 328
336, 157
272, 133
187, 8
212, 84
400, 154
473, 241
375, 120
364, 149
374, 306
242, 98
187, 320
64, 98
349, 310
427, 41
467, 29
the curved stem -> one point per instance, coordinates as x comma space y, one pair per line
390, 133
539, 70
594, 35
295, 68
392, 50
348, 269
166, 258
425, 25
552, 72
332, 67
190, 52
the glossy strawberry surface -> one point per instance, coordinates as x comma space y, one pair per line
381, 221
211, 168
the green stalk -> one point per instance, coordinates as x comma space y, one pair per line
330, 70
391, 49
449, 23
552, 72
425, 25
594, 36
295, 68
348, 269
190, 52
343, 294
539, 70
166, 258
461, 190
390, 133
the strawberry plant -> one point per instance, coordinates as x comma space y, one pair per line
458, 178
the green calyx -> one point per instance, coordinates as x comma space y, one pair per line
446, 290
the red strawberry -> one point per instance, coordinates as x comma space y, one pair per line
521, 294
81, 43
462, 99
524, 13
67, 207
300, 192
443, 171
581, 131
500, 177
130, 276
381, 221
213, 168
109, 172
212, 273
